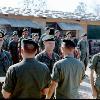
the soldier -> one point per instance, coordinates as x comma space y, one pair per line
47, 30
83, 47
5, 59
95, 80
47, 56
76, 51
35, 37
28, 78
67, 74
13, 48
57, 42
25, 34
5, 43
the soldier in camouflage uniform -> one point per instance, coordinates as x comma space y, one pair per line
95, 68
47, 30
5, 59
47, 56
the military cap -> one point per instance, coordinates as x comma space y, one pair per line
14, 33
69, 32
48, 38
57, 31
29, 42
25, 29
68, 43
47, 28
83, 35
2, 33
34, 34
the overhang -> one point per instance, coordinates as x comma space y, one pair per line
19, 23
70, 26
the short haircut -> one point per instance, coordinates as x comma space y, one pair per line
68, 43
29, 45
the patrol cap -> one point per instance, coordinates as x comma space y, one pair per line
15, 33
25, 29
83, 35
69, 32
46, 28
57, 31
35, 34
2, 33
68, 43
48, 38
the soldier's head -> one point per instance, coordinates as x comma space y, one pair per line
2, 34
47, 30
28, 48
67, 47
49, 42
35, 36
15, 35
84, 36
68, 35
57, 33
25, 32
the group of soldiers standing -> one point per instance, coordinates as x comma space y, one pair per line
43, 67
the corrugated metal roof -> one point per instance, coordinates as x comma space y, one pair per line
4, 21
22, 23
19, 23
70, 26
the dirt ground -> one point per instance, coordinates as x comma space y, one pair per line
85, 88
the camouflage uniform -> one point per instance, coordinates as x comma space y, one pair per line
95, 64
43, 57
5, 62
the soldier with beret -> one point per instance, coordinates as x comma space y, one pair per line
28, 78
47, 30
48, 56
67, 74
5, 59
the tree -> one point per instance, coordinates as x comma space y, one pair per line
35, 4
97, 10
81, 8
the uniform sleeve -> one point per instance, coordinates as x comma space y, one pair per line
47, 78
38, 57
93, 62
56, 73
10, 58
8, 85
